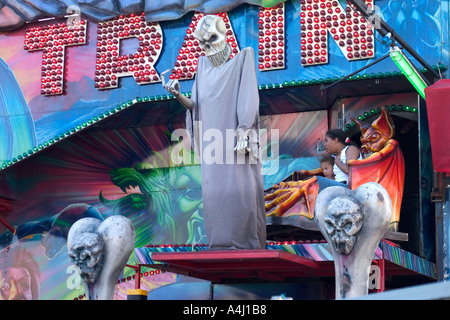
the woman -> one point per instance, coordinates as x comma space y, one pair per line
337, 144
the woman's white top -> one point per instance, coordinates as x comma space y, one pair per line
339, 175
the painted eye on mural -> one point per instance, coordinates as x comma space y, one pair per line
374, 137
190, 201
185, 182
193, 194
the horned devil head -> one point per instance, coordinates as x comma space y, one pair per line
211, 33
343, 221
375, 136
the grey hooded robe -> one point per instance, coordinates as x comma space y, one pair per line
226, 98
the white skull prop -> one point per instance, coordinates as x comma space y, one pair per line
353, 222
343, 221
87, 253
100, 249
211, 33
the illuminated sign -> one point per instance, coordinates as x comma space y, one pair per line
349, 30
53, 40
110, 66
271, 40
318, 18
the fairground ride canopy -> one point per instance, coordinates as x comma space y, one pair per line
66, 65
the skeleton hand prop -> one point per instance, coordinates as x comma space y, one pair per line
242, 145
173, 87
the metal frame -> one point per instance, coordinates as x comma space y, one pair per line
384, 29
258, 266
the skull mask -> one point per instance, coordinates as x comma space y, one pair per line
343, 221
211, 33
87, 254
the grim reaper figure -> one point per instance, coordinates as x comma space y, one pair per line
224, 110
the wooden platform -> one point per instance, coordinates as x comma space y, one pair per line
274, 265
250, 265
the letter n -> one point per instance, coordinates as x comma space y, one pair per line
271, 38
110, 65
351, 32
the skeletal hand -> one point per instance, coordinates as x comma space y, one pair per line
242, 145
172, 86
284, 195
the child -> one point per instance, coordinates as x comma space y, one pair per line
326, 164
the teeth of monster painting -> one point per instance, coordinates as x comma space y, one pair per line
132, 189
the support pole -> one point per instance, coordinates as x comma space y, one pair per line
137, 293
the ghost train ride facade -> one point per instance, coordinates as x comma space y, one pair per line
88, 131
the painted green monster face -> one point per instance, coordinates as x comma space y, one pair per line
170, 196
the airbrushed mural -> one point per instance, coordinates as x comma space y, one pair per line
133, 171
